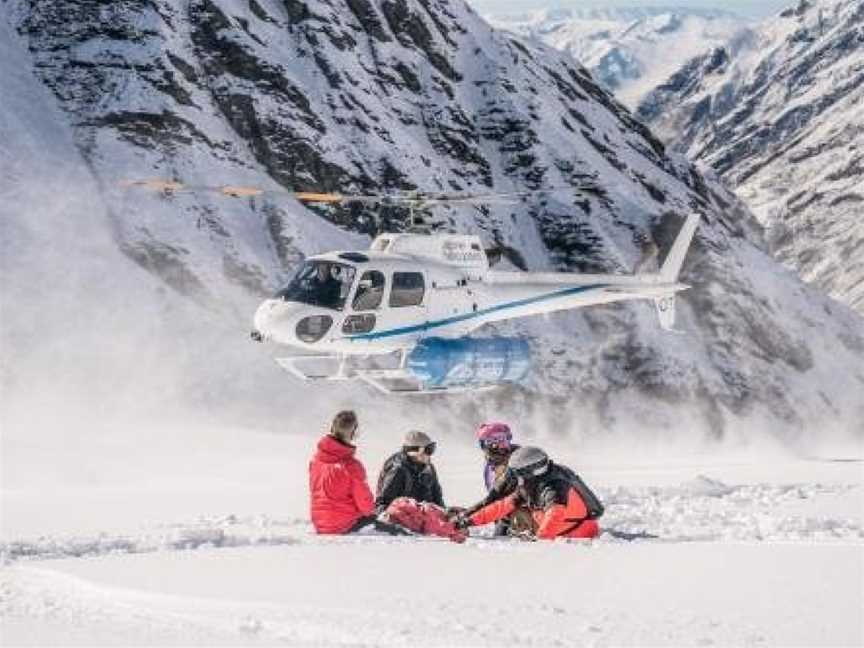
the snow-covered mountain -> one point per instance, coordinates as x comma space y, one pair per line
631, 50
86, 332
379, 94
779, 115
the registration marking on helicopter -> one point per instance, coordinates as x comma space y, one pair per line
461, 318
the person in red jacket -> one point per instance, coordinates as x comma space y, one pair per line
340, 498
560, 502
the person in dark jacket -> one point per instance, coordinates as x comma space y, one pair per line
560, 503
340, 498
410, 473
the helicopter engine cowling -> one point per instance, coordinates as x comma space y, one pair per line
467, 362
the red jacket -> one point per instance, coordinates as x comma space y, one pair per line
339, 494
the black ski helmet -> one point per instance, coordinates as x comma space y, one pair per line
528, 462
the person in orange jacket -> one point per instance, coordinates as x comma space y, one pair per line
560, 502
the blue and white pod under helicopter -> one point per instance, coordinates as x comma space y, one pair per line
440, 363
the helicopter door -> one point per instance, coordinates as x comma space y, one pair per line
366, 304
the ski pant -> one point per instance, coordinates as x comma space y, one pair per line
377, 524
424, 518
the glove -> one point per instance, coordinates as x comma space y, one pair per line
462, 522
520, 498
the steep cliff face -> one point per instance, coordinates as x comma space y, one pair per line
779, 115
363, 95
630, 50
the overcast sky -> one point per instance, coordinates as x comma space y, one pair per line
754, 8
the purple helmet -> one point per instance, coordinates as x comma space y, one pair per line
496, 435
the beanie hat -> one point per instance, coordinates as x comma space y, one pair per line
416, 438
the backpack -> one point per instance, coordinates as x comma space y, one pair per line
592, 502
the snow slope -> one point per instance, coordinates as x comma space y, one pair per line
603, 595
86, 333
755, 548
629, 50
397, 94
131, 512
778, 115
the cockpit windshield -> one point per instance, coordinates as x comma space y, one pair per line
320, 283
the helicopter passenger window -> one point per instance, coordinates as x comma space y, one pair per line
320, 283
370, 291
408, 289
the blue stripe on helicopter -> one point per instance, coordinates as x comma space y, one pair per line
460, 318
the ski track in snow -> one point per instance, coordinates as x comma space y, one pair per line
700, 510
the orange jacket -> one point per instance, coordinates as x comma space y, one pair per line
557, 520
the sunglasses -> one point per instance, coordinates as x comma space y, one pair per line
429, 449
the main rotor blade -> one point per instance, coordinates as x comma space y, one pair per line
172, 186
311, 196
415, 199
159, 185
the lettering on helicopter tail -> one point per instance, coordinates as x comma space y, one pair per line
666, 311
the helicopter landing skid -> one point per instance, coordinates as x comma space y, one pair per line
403, 383
296, 366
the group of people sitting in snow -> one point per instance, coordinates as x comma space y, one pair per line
528, 495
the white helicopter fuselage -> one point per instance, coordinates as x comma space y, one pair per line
408, 287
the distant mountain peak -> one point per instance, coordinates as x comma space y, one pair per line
778, 113
630, 50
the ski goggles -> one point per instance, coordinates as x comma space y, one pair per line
429, 448
528, 473
494, 444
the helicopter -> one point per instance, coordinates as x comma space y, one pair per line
400, 314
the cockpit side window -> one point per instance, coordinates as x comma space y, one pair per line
320, 283
408, 289
370, 291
